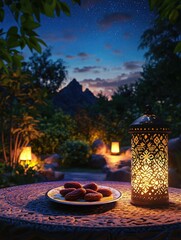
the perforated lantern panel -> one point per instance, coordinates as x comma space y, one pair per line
149, 179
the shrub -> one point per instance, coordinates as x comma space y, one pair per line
56, 129
18, 175
75, 154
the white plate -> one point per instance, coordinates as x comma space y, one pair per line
55, 196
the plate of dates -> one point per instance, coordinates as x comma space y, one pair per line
74, 193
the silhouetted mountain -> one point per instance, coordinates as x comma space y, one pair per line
71, 98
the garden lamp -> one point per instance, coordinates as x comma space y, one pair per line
25, 155
115, 148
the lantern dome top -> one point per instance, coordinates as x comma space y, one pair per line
149, 122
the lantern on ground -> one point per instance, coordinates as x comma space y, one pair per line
25, 156
149, 168
115, 148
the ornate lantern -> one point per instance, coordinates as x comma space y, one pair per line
115, 148
149, 169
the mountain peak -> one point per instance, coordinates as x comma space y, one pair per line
72, 98
74, 81
74, 85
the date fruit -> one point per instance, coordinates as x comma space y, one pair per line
92, 197
88, 190
105, 192
72, 185
91, 185
64, 191
75, 195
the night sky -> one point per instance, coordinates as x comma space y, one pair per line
99, 41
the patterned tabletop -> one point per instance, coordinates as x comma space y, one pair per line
28, 205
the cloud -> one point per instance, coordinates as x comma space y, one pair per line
70, 56
109, 86
96, 71
83, 55
117, 17
93, 69
108, 46
68, 36
105, 69
51, 37
133, 65
85, 69
116, 51
58, 53
64, 37
127, 35
117, 68
90, 3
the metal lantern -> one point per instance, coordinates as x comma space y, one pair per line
149, 168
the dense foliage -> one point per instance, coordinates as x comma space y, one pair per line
19, 101
75, 153
45, 72
22, 33
161, 76
56, 128
10, 176
170, 10
22, 98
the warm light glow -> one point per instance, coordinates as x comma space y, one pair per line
114, 160
25, 154
115, 148
149, 178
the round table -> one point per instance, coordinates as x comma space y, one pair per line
27, 213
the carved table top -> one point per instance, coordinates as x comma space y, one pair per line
27, 205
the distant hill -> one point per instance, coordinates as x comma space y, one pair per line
72, 98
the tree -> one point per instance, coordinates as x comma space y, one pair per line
27, 16
160, 40
18, 126
123, 98
170, 10
161, 76
46, 72
19, 95
124, 104
104, 120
